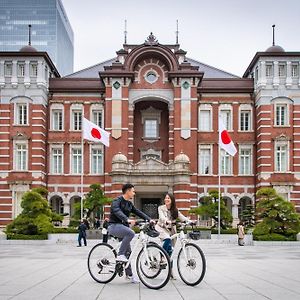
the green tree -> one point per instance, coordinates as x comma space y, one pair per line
248, 216
35, 217
209, 207
93, 203
276, 215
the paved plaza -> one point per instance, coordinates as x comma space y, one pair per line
59, 271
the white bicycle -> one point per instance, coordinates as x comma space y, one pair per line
191, 262
152, 263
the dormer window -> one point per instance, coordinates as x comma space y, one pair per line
281, 70
295, 70
269, 70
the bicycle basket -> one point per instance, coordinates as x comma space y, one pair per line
194, 235
150, 231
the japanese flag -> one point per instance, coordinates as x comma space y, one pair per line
94, 133
224, 139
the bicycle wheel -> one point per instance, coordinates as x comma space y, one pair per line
191, 264
153, 266
102, 263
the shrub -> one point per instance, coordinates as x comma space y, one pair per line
274, 237
12, 236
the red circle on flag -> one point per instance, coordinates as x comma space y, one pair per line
225, 137
96, 133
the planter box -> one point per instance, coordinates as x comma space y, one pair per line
94, 234
205, 234
62, 237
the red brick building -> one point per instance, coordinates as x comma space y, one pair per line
161, 109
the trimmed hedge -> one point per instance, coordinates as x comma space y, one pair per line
274, 237
64, 230
224, 231
12, 236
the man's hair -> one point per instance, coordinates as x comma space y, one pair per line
126, 187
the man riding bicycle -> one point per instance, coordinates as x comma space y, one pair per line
119, 221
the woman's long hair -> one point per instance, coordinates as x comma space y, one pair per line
173, 208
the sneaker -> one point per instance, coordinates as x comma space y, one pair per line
122, 258
163, 263
132, 278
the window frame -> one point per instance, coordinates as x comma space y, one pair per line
17, 120
52, 165
23, 162
208, 147
250, 149
278, 168
205, 108
79, 163
276, 120
92, 170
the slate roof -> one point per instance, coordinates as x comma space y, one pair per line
209, 71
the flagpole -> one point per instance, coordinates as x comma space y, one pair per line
81, 177
219, 193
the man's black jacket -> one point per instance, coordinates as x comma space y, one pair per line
121, 209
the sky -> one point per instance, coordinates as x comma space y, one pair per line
225, 34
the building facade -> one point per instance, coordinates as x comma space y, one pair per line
162, 110
51, 30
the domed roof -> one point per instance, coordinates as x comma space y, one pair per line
275, 48
119, 157
28, 48
182, 158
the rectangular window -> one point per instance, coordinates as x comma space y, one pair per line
21, 114
96, 161
226, 117
281, 115
281, 70
76, 161
205, 167
21, 157
33, 69
245, 162
57, 161
77, 119
97, 117
57, 119
245, 117
8, 69
295, 70
225, 163
21, 69
281, 158
269, 70
205, 120
151, 128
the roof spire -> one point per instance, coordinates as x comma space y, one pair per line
177, 32
125, 33
273, 26
29, 34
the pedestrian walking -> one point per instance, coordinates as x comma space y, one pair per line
104, 230
82, 233
241, 234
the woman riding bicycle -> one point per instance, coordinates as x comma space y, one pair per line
167, 215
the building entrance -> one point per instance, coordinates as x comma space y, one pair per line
150, 206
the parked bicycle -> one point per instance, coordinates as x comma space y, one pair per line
152, 263
191, 262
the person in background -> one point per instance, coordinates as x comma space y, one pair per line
87, 224
241, 234
97, 223
104, 231
82, 233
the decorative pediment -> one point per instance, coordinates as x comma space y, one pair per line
151, 40
150, 164
20, 136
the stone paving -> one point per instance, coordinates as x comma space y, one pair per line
59, 271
